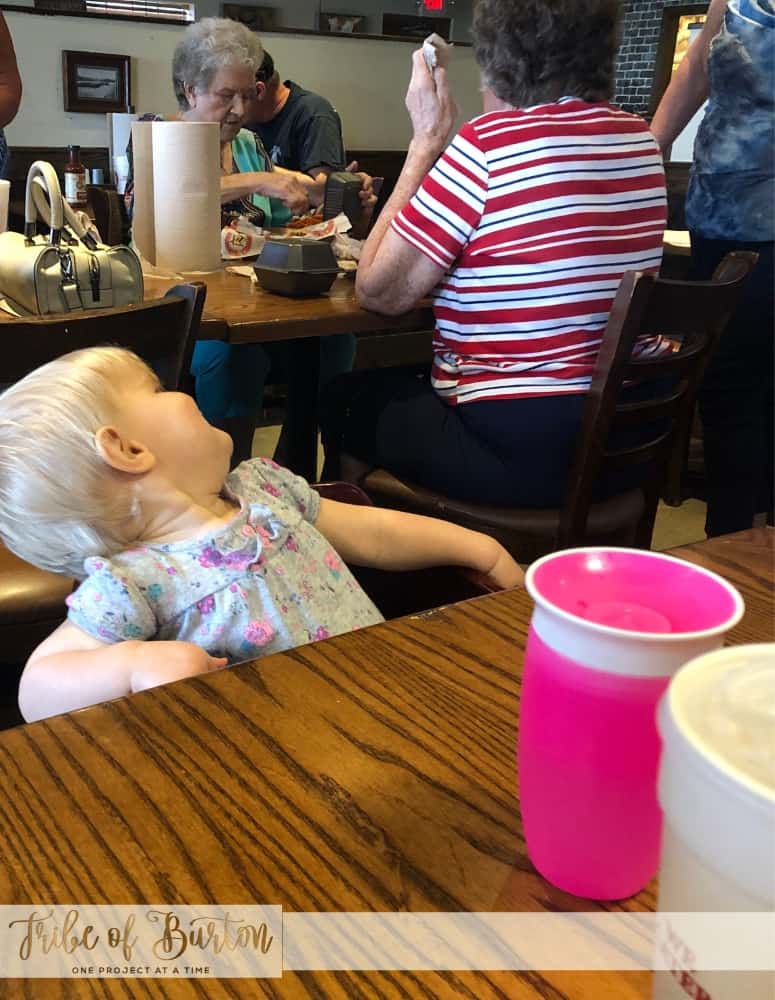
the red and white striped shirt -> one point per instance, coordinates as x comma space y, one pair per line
536, 214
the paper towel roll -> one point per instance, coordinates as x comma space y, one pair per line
186, 195
143, 225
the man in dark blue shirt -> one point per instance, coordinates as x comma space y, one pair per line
300, 130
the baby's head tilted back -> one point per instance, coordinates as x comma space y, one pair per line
60, 502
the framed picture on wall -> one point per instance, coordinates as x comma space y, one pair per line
680, 25
340, 24
96, 82
255, 18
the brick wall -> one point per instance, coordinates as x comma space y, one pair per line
638, 52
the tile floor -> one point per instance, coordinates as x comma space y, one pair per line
674, 525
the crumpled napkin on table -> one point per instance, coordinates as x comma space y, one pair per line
244, 271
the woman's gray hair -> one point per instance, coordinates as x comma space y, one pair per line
536, 51
207, 46
60, 502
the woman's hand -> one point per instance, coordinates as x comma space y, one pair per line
288, 189
430, 104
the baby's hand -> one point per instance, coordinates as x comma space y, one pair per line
505, 572
158, 663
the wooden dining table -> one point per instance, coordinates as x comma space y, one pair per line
240, 311
374, 771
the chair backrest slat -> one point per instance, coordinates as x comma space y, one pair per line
634, 414
647, 451
162, 332
692, 313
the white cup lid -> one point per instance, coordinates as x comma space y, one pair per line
723, 705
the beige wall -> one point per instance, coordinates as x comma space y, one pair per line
366, 80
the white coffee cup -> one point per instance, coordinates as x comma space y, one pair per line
121, 172
5, 191
717, 792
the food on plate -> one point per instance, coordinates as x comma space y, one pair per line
304, 221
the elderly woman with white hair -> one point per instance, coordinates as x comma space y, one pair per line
213, 75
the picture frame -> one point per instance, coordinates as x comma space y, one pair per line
96, 82
415, 26
340, 24
255, 18
678, 22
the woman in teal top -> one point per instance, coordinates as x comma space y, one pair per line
213, 74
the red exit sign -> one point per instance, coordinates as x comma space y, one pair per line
434, 4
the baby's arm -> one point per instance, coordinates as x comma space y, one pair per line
71, 669
390, 539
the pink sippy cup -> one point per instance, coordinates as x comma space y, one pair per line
609, 629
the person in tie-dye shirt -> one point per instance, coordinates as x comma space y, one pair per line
185, 566
730, 205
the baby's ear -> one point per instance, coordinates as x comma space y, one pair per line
121, 453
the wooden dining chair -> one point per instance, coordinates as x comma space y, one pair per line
693, 315
162, 332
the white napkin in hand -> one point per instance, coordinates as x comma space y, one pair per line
437, 52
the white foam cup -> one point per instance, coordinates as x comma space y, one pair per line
717, 791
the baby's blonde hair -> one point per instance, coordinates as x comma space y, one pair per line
60, 502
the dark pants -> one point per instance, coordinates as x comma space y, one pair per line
736, 398
230, 377
229, 383
503, 452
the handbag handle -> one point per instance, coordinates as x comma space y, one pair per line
43, 207
43, 172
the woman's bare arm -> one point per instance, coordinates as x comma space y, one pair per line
280, 184
392, 274
10, 81
688, 88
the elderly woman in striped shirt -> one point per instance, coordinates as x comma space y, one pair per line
521, 229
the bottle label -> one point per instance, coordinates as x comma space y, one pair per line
75, 187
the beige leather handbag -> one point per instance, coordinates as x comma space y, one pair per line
68, 270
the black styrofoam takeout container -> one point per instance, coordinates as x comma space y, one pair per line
296, 266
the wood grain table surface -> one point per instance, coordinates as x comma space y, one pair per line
373, 771
241, 312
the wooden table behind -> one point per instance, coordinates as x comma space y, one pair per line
374, 771
241, 312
